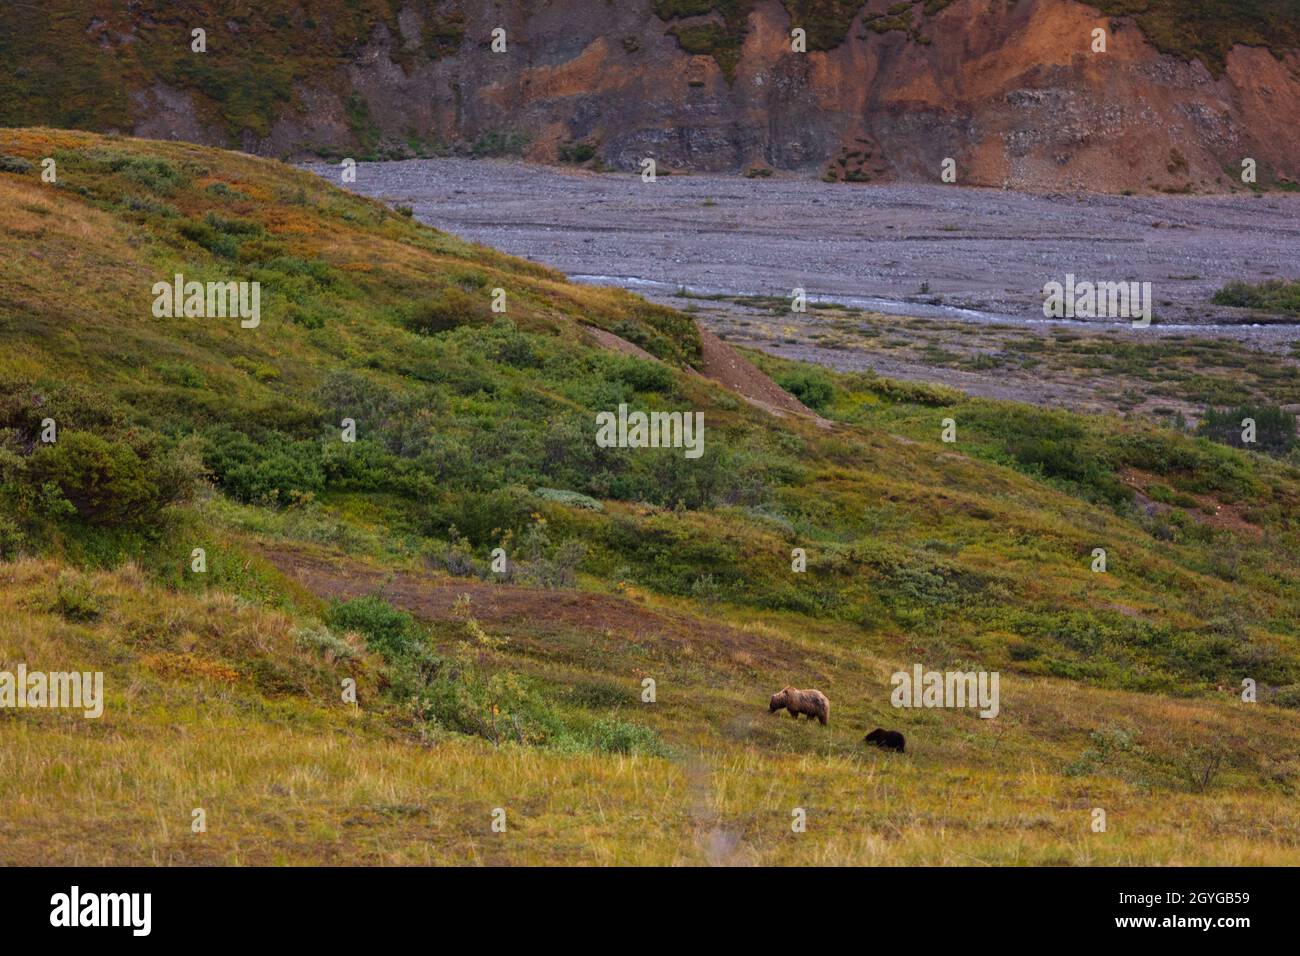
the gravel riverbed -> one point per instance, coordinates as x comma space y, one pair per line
979, 257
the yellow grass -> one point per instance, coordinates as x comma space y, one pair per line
300, 777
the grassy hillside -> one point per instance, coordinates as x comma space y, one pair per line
329, 560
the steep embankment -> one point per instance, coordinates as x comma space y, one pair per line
1011, 90
202, 531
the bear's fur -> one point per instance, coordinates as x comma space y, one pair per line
885, 739
810, 702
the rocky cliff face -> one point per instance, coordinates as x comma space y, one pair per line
1012, 91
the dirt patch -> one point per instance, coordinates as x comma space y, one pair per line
1208, 511
720, 362
608, 340
537, 613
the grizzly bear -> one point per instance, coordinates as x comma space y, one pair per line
885, 739
810, 702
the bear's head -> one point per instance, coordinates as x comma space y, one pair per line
877, 734
780, 699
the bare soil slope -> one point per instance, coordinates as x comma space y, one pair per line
1013, 92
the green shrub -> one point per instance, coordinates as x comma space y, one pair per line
599, 693
1166, 495
504, 343
151, 207
810, 386
572, 499
24, 405
110, 481
217, 243
499, 707
224, 191
272, 468
447, 309
14, 164
326, 641
317, 273
642, 375
182, 374
1051, 444
612, 735
233, 227
154, 174
550, 566
75, 600
388, 630
665, 333
1275, 429
484, 518
576, 152
499, 143
11, 538
1275, 295
913, 393
1201, 465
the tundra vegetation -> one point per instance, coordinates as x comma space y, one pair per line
1174, 378
1204, 30
329, 561
1274, 297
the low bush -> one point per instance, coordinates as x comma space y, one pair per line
445, 310
270, 468
809, 386
113, 480
1275, 429
391, 632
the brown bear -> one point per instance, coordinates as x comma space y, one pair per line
810, 702
885, 739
